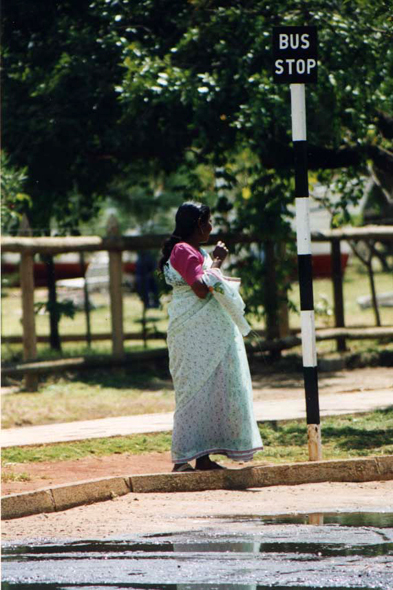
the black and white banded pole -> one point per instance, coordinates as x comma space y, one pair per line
295, 62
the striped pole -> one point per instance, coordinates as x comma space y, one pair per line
299, 138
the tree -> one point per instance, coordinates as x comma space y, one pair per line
207, 85
205, 92
60, 105
103, 92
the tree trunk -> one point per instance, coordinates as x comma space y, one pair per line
271, 297
373, 293
55, 343
86, 300
338, 291
116, 291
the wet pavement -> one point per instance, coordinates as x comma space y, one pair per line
337, 550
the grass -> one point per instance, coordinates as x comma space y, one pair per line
134, 445
342, 437
100, 323
87, 396
7, 476
100, 316
355, 283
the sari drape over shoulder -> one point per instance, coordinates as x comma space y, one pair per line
209, 368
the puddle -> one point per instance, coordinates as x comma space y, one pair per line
350, 550
170, 587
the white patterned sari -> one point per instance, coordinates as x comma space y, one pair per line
209, 368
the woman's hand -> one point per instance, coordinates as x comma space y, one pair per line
220, 252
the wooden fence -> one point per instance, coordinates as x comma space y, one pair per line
115, 245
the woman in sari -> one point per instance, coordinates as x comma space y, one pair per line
207, 358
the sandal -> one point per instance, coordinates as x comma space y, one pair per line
210, 466
182, 468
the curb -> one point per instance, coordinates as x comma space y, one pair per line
68, 496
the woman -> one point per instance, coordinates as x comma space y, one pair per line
207, 358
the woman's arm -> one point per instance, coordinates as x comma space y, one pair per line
200, 289
189, 264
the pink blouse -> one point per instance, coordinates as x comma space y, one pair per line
187, 261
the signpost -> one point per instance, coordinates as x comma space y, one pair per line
296, 62
295, 54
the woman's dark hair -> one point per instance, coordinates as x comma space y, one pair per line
187, 218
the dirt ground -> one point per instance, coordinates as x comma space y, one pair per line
49, 474
136, 514
283, 385
52, 473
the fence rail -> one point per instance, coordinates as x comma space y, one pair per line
115, 244
322, 334
59, 245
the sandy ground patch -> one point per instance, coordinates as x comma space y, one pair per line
163, 513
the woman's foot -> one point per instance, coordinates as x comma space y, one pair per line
182, 467
206, 464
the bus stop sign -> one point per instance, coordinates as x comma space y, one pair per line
295, 55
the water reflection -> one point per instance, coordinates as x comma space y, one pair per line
316, 519
345, 519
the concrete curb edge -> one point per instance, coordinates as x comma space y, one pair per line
63, 497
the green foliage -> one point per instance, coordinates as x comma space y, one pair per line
14, 201
346, 188
60, 309
145, 199
323, 309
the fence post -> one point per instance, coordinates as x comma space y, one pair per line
116, 291
337, 276
28, 316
